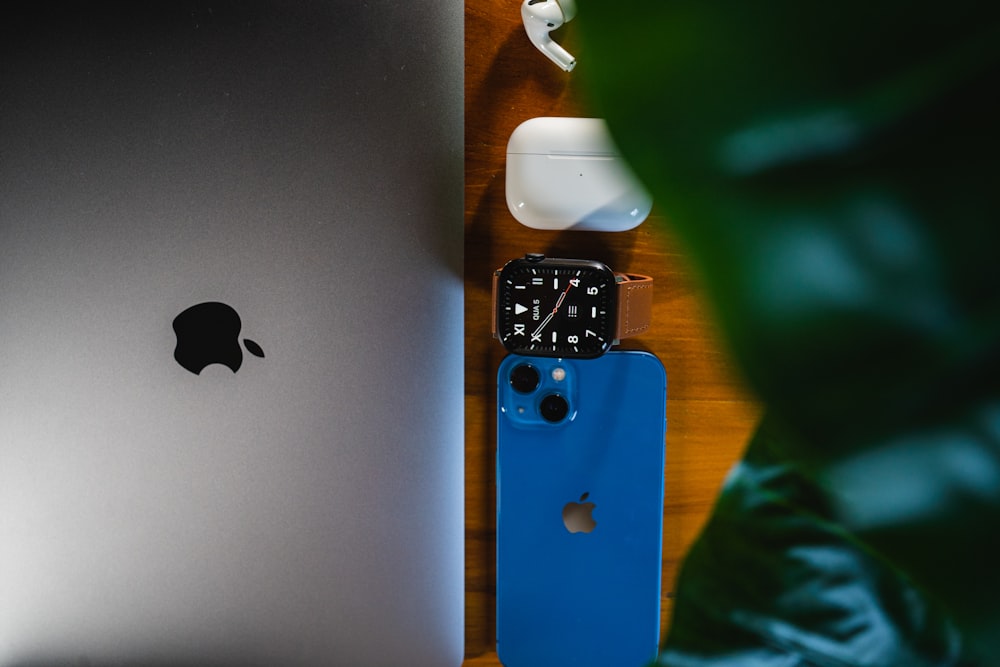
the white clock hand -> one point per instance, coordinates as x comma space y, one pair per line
537, 335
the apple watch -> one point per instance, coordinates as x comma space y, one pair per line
567, 307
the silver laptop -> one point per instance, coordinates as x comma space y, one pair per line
231, 362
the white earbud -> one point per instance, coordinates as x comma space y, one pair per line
542, 17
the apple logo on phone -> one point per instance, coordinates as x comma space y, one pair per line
578, 517
208, 333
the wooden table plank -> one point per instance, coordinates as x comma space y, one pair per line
710, 414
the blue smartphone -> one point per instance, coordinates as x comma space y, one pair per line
580, 456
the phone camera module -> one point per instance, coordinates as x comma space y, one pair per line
524, 379
554, 408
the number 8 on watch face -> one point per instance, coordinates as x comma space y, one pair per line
557, 308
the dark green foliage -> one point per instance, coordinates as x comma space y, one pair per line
832, 170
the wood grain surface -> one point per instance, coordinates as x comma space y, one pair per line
710, 415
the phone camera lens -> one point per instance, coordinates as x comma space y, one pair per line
524, 379
554, 408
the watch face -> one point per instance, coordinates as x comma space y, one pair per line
556, 308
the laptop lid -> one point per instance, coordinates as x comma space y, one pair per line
231, 362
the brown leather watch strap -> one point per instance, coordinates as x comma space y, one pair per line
635, 304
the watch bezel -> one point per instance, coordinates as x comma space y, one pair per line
558, 263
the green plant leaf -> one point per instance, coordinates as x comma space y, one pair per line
773, 580
832, 170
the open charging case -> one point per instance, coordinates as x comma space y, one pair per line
566, 173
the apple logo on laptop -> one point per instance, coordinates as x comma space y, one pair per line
578, 517
208, 333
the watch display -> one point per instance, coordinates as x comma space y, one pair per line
557, 308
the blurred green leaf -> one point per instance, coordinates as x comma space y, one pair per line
773, 577
832, 172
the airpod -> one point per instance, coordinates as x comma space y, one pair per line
542, 17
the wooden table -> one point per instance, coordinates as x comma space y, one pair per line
709, 413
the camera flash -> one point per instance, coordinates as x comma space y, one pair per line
558, 374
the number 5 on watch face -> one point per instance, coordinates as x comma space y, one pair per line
560, 308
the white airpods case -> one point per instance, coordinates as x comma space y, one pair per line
566, 173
